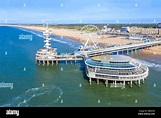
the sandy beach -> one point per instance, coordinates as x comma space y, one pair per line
77, 35
105, 40
153, 51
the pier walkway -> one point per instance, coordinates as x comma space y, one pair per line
81, 55
125, 49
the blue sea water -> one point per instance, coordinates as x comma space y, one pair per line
64, 85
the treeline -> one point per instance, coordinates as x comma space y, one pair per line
116, 26
79, 26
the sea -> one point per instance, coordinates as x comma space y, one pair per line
23, 83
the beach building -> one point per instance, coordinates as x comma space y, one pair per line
125, 29
135, 30
159, 25
115, 69
159, 32
145, 31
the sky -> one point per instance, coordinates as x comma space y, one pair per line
80, 11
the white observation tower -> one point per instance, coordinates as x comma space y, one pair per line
46, 34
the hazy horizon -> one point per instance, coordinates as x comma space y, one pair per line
80, 11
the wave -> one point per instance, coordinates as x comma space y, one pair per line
26, 30
152, 65
66, 42
33, 32
53, 39
41, 96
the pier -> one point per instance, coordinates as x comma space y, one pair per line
105, 64
79, 55
45, 60
125, 49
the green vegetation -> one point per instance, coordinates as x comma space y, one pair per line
79, 26
75, 27
116, 26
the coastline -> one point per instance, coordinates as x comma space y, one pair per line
104, 41
76, 35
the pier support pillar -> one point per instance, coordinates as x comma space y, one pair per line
131, 83
47, 62
52, 62
139, 82
106, 83
66, 62
115, 83
117, 52
136, 82
143, 81
43, 63
127, 52
39, 62
71, 61
75, 61
124, 84
131, 51
122, 52
97, 81
56, 62
138, 51
90, 80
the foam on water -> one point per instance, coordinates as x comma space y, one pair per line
27, 30
64, 42
152, 65
49, 95
52, 39
56, 40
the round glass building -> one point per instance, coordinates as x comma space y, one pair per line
116, 69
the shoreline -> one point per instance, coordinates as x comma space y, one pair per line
76, 35
104, 41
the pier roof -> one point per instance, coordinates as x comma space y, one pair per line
111, 61
112, 58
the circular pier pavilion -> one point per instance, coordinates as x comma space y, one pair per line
116, 70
